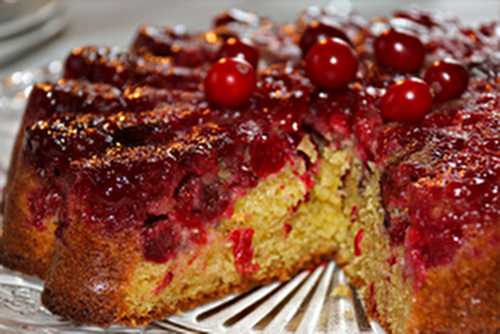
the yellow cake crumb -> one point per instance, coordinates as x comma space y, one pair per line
342, 291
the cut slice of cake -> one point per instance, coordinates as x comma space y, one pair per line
135, 195
159, 69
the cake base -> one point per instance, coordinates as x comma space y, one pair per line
291, 229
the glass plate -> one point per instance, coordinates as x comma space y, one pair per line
318, 301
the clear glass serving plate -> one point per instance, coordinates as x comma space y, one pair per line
318, 301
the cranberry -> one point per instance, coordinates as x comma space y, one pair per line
235, 47
161, 241
230, 82
317, 31
268, 155
243, 250
331, 63
197, 200
358, 238
447, 78
407, 101
399, 50
167, 279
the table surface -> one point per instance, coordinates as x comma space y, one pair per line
106, 22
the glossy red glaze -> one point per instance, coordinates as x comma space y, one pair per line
70, 96
183, 49
439, 199
399, 50
448, 79
230, 82
108, 65
268, 155
331, 64
407, 100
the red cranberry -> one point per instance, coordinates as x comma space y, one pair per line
399, 50
234, 47
243, 250
358, 238
161, 241
316, 31
331, 64
196, 199
447, 78
407, 101
267, 155
230, 82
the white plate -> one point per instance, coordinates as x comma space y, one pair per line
14, 47
18, 16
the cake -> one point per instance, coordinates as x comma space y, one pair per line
148, 182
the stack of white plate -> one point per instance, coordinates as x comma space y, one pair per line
25, 24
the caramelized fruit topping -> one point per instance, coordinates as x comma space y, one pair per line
188, 160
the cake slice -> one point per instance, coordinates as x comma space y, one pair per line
188, 203
430, 261
32, 197
160, 69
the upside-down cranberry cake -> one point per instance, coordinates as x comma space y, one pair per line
195, 165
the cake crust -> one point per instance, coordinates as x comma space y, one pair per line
24, 246
88, 275
438, 308
475, 273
